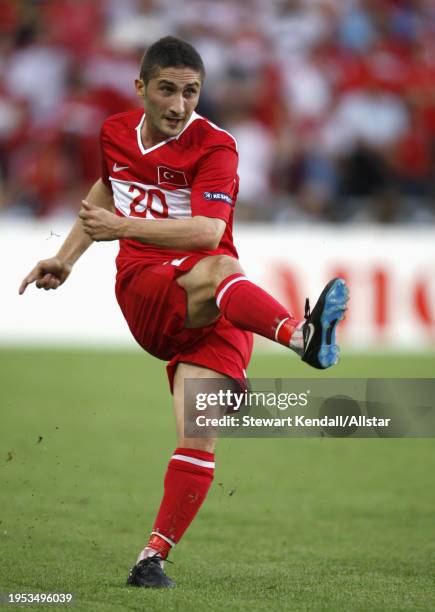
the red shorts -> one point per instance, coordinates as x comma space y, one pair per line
154, 306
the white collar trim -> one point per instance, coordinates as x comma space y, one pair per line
144, 151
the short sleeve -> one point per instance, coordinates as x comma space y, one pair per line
215, 186
104, 170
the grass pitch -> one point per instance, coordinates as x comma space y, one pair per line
311, 524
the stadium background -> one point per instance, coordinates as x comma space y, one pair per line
333, 107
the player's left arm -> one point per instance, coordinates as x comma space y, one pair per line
195, 234
212, 196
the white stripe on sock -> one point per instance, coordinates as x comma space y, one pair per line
168, 540
194, 460
279, 327
227, 286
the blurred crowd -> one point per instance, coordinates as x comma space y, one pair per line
332, 101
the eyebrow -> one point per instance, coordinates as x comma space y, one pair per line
165, 82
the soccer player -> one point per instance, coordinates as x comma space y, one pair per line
167, 192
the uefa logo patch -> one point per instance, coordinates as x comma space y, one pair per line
217, 196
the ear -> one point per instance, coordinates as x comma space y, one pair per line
140, 88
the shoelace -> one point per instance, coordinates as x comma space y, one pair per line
157, 558
307, 308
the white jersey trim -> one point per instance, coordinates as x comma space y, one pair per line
178, 200
216, 127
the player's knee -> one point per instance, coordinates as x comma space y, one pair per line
223, 266
204, 444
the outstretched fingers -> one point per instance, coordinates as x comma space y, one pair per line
42, 278
28, 280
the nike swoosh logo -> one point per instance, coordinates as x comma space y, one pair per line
178, 262
311, 330
117, 168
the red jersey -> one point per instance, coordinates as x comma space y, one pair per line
194, 173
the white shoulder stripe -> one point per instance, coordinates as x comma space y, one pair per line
216, 127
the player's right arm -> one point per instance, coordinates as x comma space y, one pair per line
51, 273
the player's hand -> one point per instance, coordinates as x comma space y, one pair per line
47, 274
99, 223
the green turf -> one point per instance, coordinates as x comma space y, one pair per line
312, 524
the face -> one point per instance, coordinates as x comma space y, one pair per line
170, 99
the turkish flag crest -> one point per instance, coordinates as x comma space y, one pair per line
167, 176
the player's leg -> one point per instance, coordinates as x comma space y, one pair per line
187, 481
190, 470
217, 284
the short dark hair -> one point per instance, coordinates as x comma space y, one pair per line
170, 52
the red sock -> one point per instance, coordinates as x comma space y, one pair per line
249, 307
187, 481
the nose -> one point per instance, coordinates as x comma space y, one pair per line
177, 105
